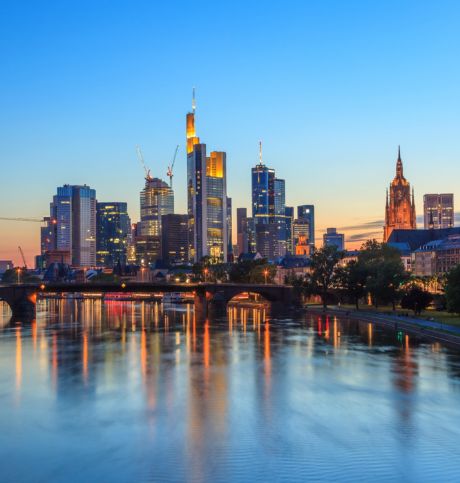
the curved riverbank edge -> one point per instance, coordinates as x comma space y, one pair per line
417, 329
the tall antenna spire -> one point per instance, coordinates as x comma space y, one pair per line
260, 152
193, 99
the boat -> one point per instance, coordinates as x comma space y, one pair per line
173, 298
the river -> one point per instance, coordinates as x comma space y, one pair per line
140, 392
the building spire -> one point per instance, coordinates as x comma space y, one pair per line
260, 152
193, 99
399, 166
399, 150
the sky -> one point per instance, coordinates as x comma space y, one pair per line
331, 88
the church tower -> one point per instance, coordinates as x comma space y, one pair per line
400, 207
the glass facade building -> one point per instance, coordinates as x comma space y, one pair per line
262, 185
157, 199
289, 211
279, 216
174, 239
73, 215
331, 237
438, 211
112, 223
307, 212
249, 232
229, 221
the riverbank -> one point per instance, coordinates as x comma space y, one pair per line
425, 329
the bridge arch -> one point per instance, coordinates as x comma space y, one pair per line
22, 299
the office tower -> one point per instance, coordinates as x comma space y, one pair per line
206, 197
111, 234
157, 199
400, 208
268, 202
135, 232
307, 212
289, 211
249, 232
331, 237
147, 250
229, 220
301, 228
174, 239
279, 216
240, 214
438, 211
73, 215
266, 240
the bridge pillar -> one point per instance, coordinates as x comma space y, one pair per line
22, 300
201, 303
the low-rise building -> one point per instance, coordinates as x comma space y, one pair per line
290, 266
437, 257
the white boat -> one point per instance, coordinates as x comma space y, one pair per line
173, 298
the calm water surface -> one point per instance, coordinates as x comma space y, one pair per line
127, 391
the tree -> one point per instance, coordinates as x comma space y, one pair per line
351, 280
416, 300
322, 265
217, 273
385, 271
451, 284
181, 275
240, 272
297, 283
104, 277
15, 275
257, 274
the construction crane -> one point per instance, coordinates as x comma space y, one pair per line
29, 219
23, 258
147, 175
170, 169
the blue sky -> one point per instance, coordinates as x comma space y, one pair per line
331, 88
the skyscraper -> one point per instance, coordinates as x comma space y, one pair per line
307, 212
174, 238
206, 197
249, 235
240, 214
111, 233
157, 199
73, 212
229, 221
331, 237
268, 202
301, 235
438, 211
289, 211
266, 240
400, 208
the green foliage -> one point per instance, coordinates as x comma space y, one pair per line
216, 271
241, 272
416, 300
322, 264
257, 274
384, 270
452, 290
297, 283
13, 275
181, 275
104, 277
351, 280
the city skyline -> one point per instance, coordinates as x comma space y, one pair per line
330, 140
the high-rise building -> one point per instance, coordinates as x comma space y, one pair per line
249, 235
307, 212
135, 232
400, 208
174, 239
206, 197
111, 233
268, 202
240, 214
73, 231
45, 241
229, 220
438, 211
331, 237
266, 240
157, 199
289, 211
148, 250
301, 228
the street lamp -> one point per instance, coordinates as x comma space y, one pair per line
84, 272
19, 275
265, 273
143, 270
205, 274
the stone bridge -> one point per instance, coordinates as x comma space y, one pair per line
22, 298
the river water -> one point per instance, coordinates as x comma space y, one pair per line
134, 391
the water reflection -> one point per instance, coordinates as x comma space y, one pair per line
247, 397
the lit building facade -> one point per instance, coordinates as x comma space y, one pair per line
111, 234
438, 211
206, 197
307, 212
157, 199
249, 232
331, 237
301, 228
73, 215
147, 250
289, 211
400, 207
229, 220
266, 240
174, 239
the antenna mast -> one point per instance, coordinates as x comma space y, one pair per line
193, 99
260, 152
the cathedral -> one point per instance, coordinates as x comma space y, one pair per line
400, 208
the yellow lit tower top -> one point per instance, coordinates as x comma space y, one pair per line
191, 137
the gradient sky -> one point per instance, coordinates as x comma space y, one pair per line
331, 88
